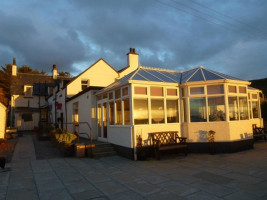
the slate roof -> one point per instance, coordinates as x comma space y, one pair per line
18, 82
170, 76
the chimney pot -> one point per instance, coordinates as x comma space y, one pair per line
14, 61
133, 50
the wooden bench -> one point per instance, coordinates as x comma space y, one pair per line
163, 141
258, 133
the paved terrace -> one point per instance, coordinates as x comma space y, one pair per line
240, 175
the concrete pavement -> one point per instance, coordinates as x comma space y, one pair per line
240, 175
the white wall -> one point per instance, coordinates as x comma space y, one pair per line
2, 120
26, 126
87, 113
99, 74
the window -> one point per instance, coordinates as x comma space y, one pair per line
243, 108
111, 113
157, 111
28, 90
27, 117
172, 92
196, 90
85, 84
43, 114
75, 112
110, 95
125, 91
216, 108
156, 91
105, 95
99, 120
117, 93
233, 108
118, 112
215, 89
198, 110
172, 111
140, 90
126, 111
140, 111
231, 89
242, 90
255, 109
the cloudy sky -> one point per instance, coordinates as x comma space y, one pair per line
228, 36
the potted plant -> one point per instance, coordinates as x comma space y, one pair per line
65, 142
211, 139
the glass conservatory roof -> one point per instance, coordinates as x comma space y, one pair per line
170, 76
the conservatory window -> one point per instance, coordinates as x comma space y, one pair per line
216, 109
140, 111
172, 92
255, 109
117, 93
157, 111
111, 113
215, 89
233, 108
242, 90
118, 112
196, 90
198, 110
125, 91
156, 91
140, 90
232, 89
110, 95
126, 111
243, 108
172, 111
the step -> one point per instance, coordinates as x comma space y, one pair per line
102, 149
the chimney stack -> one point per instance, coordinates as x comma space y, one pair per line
14, 67
133, 60
54, 71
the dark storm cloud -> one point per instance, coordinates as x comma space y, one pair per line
174, 34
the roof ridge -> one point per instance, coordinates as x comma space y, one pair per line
160, 69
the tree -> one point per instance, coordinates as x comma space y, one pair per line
27, 69
5, 79
64, 74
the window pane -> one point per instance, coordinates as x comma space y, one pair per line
242, 89
105, 96
125, 91
171, 92
84, 84
118, 94
232, 89
197, 90
184, 108
216, 109
75, 112
233, 108
118, 112
126, 111
255, 109
156, 91
157, 111
140, 90
172, 111
99, 97
99, 120
198, 110
140, 111
254, 96
215, 89
111, 113
243, 108
28, 91
110, 95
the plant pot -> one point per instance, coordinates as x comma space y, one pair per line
68, 150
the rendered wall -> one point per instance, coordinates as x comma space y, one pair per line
100, 75
2, 121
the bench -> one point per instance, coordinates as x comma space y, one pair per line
163, 141
258, 133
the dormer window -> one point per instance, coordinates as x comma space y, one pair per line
28, 90
85, 84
